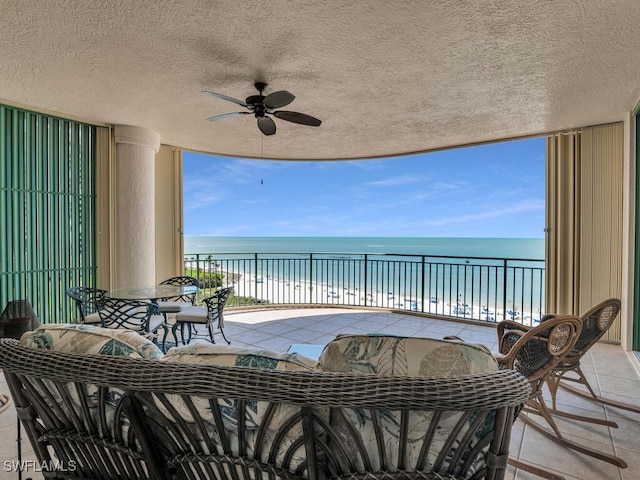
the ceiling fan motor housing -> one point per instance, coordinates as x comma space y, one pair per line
254, 99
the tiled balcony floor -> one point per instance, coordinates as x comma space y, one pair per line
609, 368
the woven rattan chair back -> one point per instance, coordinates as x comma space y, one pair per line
595, 323
536, 353
85, 299
182, 281
191, 421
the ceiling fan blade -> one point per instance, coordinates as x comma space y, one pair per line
224, 97
226, 115
296, 117
278, 99
267, 125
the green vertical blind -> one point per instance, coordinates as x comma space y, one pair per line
47, 203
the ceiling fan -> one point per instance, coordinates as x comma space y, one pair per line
262, 106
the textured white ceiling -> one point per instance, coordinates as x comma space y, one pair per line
385, 77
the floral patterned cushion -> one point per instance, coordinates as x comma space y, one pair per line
255, 410
90, 339
411, 356
229, 355
402, 356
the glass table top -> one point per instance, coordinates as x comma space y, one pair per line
152, 292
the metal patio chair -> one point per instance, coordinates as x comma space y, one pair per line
137, 315
535, 352
175, 304
86, 299
211, 312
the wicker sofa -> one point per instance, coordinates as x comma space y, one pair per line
99, 403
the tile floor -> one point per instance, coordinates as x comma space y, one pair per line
610, 370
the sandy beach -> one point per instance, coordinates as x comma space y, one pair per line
282, 291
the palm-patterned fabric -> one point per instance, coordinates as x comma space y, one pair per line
255, 411
90, 339
401, 356
411, 356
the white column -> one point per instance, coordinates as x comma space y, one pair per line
135, 206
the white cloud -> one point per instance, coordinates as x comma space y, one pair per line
396, 181
492, 212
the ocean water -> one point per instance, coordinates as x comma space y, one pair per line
513, 248
466, 277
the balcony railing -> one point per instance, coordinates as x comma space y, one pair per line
485, 289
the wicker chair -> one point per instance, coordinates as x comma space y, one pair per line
595, 322
86, 299
137, 315
207, 315
536, 352
116, 417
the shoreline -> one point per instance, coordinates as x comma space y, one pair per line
275, 290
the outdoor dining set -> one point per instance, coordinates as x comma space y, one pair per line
146, 310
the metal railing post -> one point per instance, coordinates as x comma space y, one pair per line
422, 280
311, 288
366, 277
504, 289
255, 275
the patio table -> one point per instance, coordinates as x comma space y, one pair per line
153, 293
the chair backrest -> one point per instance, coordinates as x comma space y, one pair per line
86, 299
216, 302
536, 351
190, 281
595, 322
130, 314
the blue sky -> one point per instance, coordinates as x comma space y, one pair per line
494, 190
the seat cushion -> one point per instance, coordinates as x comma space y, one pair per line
411, 356
89, 339
256, 412
81, 338
92, 319
192, 315
173, 307
230, 355
401, 356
